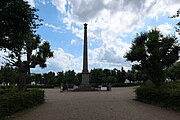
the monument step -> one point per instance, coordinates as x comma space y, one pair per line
85, 89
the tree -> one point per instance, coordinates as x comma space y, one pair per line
17, 35
114, 72
154, 53
121, 75
107, 72
79, 78
60, 78
37, 78
6, 72
109, 76
110, 79
17, 19
49, 78
173, 72
70, 77
97, 76
131, 75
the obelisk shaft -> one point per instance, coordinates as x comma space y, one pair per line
85, 74
85, 54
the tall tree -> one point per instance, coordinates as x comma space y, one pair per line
154, 53
18, 24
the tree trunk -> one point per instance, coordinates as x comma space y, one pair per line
22, 77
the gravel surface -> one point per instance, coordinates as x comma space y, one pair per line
115, 105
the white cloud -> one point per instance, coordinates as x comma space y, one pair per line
55, 28
110, 53
60, 5
65, 61
43, 2
108, 21
61, 61
73, 41
165, 28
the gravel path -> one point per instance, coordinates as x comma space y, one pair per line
115, 105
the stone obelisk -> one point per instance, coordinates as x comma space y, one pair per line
85, 73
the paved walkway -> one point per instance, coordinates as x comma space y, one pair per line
115, 105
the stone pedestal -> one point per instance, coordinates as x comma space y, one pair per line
85, 81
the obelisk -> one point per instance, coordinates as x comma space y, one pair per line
85, 73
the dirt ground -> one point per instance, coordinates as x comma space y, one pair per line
115, 105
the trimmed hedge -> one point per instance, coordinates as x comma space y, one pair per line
14, 101
165, 96
40, 86
125, 84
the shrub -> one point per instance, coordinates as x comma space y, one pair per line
125, 84
167, 95
40, 86
13, 101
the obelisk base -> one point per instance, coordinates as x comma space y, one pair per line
85, 86
85, 81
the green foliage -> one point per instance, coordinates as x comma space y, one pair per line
13, 101
17, 19
38, 78
79, 78
70, 77
40, 86
60, 77
110, 79
131, 75
43, 53
174, 71
6, 72
121, 75
125, 84
154, 53
49, 78
97, 76
52, 79
167, 95
18, 24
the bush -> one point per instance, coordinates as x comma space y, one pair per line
125, 84
14, 101
40, 86
167, 95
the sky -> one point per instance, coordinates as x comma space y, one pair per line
112, 26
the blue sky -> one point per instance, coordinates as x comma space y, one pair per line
112, 25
